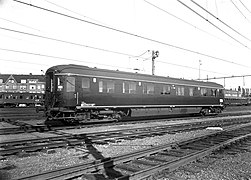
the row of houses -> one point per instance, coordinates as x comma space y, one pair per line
22, 83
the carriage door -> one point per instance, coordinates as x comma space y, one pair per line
71, 95
49, 93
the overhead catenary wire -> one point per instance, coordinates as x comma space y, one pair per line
67, 9
77, 44
212, 24
184, 21
57, 57
64, 41
81, 61
19, 24
244, 6
219, 20
189, 67
227, 77
239, 10
128, 33
23, 62
91, 62
142, 54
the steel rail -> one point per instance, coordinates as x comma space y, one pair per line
65, 140
219, 139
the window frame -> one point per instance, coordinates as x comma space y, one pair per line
129, 87
70, 84
106, 86
166, 89
180, 90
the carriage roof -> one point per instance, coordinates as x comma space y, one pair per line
85, 71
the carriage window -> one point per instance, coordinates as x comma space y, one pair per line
70, 84
221, 92
148, 89
106, 86
180, 91
203, 91
85, 83
21, 97
1, 96
132, 88
129, 87
166, 89
212, 92
190, 91
60, 83
100, 84
110, 87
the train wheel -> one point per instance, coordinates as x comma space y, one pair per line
117, 116
218, 110
205, 111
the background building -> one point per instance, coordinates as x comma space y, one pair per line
22, 83
21, 90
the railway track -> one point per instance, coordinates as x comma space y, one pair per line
61, 139
144, 163
28, 126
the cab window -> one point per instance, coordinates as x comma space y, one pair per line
70, 84
60, 83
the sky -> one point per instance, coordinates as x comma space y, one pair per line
196, 39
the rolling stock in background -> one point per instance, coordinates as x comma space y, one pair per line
235, 98
17, 99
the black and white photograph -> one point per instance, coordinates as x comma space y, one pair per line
125, 90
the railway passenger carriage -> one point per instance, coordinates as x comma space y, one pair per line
235, 98
77, 93
17, 99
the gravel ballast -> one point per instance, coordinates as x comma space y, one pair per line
222, 167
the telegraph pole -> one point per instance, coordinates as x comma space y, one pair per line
155, 54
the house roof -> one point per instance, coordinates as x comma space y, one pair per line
18, 77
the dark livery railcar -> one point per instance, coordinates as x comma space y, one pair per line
235, 98
76, 92
18, 99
